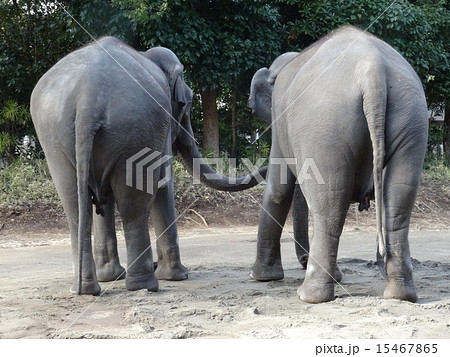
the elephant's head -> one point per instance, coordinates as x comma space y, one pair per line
181, 94
261, 88
183, 142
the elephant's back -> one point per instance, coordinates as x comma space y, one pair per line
326, 115
113, 86
106, 80
104, 68
322, 93
321, 113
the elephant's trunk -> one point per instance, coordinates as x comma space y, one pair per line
200, 170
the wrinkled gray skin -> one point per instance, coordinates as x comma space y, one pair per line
300, 212
355, 106
300, 217
90, 117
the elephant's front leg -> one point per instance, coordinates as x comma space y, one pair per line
105, 245
164, 221
276, 203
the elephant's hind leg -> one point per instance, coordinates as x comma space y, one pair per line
322, 271
400, 188
64, 177
134, 208
106, 256
300, 215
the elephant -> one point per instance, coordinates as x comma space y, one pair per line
93, 111
300, 217
355, 110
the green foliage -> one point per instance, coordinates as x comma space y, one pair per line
33, 36
217, 41
419, 30
435, 138
101, 18
248, 125
14, 124
221, 43
437, 168
26, 180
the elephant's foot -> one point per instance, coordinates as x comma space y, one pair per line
265, 272
90, 287
174, 272
314, 293
337, 275
401, 290
111, 271
141, 282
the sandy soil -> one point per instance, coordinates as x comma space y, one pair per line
218, 242
219, 299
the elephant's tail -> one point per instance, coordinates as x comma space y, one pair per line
85, 128
374, 89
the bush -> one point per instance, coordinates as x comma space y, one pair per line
13, 127
437, 168
26, 180
186, 191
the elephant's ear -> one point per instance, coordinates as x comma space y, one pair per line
173, 69
279, 63
179, 88
260, 100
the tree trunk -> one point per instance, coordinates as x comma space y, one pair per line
210, 121
446, 140
234, 120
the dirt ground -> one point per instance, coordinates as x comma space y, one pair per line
219, 300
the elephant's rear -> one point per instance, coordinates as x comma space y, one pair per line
407, 111
104, 90
353, 111
356, 96
69, 106
355, 92
53, 105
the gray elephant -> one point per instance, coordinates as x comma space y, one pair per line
352, 106
94, 110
